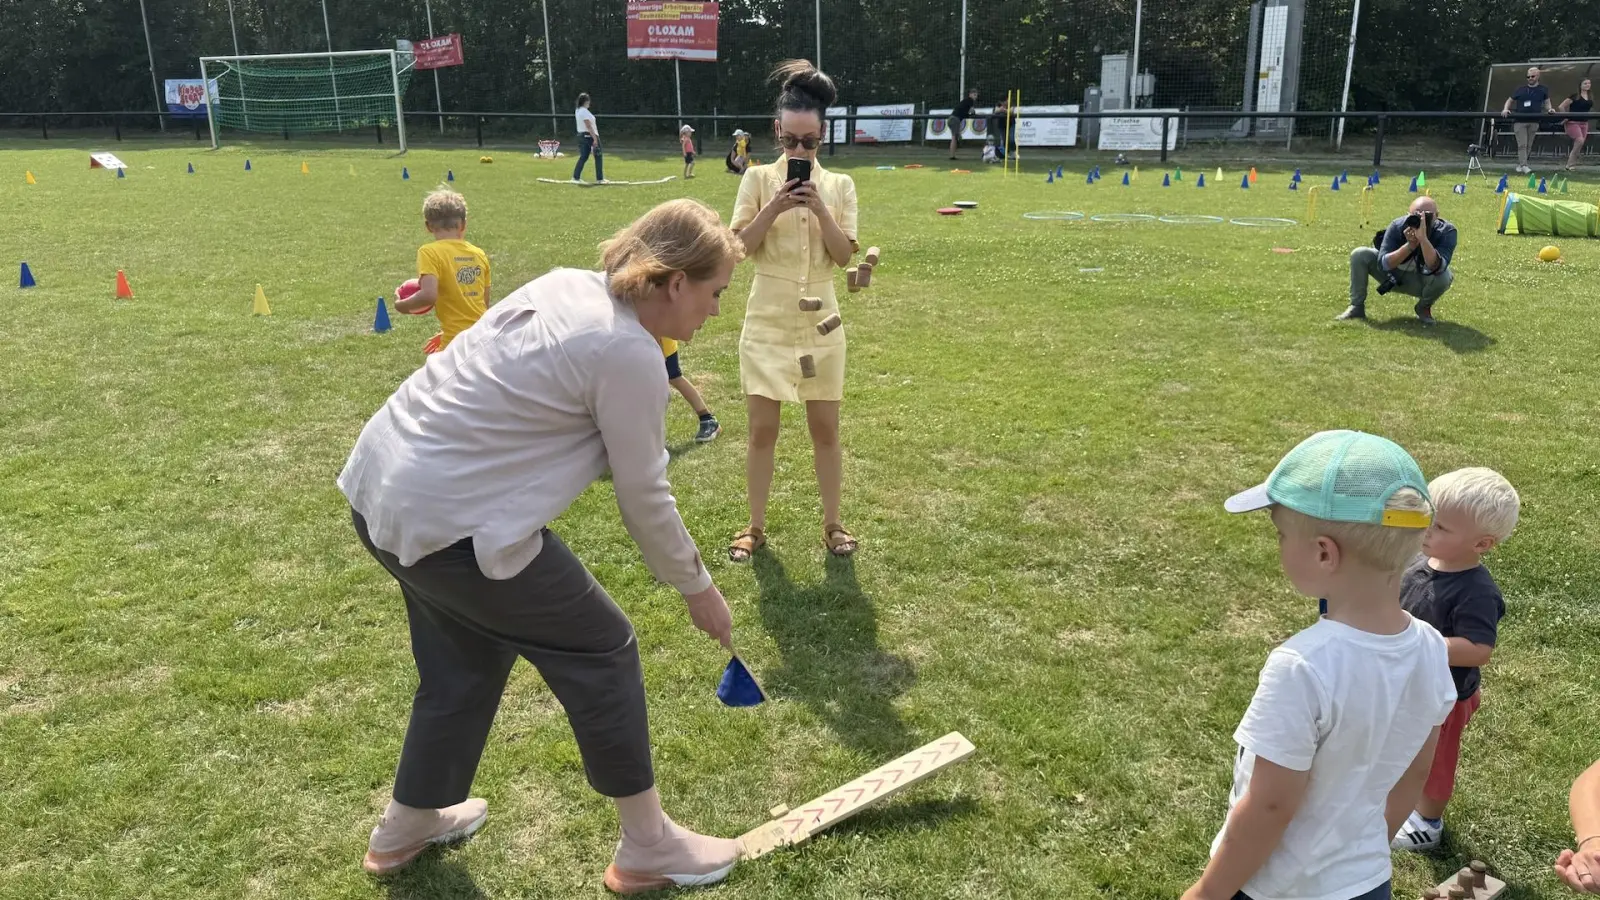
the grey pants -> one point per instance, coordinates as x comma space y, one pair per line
467, 630
1366, 263
1525, 132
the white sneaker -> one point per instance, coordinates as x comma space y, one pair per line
1417, 834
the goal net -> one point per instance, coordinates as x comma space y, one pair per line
302, 93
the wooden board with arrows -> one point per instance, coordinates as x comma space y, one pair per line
790, 827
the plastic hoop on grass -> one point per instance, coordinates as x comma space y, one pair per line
1057, 214
1193, 220
1122, 217
1263, 222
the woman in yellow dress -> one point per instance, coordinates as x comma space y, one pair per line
797, 233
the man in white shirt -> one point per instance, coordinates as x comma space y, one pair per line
588, 141
1337, 742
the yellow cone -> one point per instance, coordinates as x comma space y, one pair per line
261, 308
1135, 174
304, 169
30, 178
352, 170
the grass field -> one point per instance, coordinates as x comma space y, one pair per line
204, 679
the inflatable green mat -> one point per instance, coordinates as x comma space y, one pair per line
1526, 214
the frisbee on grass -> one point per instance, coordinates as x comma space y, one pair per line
949, 211
965, 204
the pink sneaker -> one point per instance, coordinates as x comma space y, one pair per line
404, 832
680, 859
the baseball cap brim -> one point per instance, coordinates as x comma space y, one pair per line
1248, 501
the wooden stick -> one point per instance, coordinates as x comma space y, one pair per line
864, 275
830, 323
808, 369
810, 304
799, 826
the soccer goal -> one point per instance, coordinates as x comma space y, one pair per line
290, 93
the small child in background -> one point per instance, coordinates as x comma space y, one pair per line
1336, 743
452, 275
1448, 587
709, 428
686, 138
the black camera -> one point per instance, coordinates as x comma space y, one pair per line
1413, 221
1390, 282
1473, 150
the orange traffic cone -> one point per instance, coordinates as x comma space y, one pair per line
124, 292
1252, 174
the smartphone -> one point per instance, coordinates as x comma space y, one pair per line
799, 169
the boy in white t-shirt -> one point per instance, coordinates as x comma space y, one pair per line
1337, 741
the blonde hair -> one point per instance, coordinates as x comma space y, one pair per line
444, 208
1386, 548
677, 236
1483, 494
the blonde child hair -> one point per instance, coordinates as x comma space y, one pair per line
1482, 493
678, 236
1386, 548
444, 209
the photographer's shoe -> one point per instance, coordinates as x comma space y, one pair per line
1424, 313
1354, 311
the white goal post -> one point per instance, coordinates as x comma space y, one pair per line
307, 92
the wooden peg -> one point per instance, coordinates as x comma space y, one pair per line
1466, 879
830, 323
864, 275
809, 304
850, 276
1457, 892
1432, 894
1480, 873
872, 256
808, 369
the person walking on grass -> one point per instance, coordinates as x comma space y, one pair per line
798, 233
1578, 129
452, 274
588, 142
709, 428
686, 139
452, 487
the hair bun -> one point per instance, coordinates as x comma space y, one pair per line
800, 76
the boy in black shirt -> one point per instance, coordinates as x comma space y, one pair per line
959, 118
1449, 588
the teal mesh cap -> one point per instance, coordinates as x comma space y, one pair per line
1341, 476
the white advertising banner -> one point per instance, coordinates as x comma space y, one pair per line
1138, 132
883, 131
1031, 132
836, 132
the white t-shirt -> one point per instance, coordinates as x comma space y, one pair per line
1354, 708
497, 434
584, 115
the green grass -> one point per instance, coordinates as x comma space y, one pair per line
204, 679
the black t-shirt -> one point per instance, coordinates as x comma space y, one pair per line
1527, 104
1580, 105
964, 109
1459, 604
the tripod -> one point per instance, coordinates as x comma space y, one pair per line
1475, 164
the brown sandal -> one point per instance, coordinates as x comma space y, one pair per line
838, 541
746, 543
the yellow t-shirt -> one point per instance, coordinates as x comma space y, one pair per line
668, 346
463, 273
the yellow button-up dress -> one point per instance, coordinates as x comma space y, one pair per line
792, 262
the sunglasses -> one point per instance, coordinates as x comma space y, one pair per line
790, 142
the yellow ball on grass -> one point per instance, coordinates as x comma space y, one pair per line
1550, 253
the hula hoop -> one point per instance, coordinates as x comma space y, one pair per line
1263, 222
1054, 214
1192, 220
1122, 217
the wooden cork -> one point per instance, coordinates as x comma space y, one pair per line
830, 323
864, 274
1457, 892
850, 276
808, 369
1466, 879
809, 304
1429, 894
1480, 873
872, 256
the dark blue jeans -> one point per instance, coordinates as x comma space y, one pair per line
585, 147
1381, 892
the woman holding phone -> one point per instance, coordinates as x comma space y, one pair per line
798, 222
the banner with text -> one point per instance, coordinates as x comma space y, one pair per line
883, 131
438, 52
1138, 133
836, 131
1031, 132
667, 30
187, 97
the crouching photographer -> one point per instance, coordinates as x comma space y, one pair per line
1411, 256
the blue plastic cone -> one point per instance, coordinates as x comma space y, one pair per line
1375, 178
1244, 181
121, 174
1125, 181
1335, 185
1542, 189
247, 165
1296, 178
1501, 187
738, 687
1060, 171
1050, 177
1200, 181
450, 175
1345, 176
1166, 181
1413, 187
380, 322
27, 277
405, 174
1459, 189
191, 168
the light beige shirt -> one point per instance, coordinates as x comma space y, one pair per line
494, 437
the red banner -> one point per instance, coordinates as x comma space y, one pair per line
668, 30
438, 52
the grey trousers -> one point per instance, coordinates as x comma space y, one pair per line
1525, 133
467, 630
1366, 263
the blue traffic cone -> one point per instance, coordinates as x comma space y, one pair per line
1335, 185
1294, 185
1125, 181
738, 687
247, 165
1089, 178
1060, 172
1375, 178
1296, 178
380, 322
1050, 177
1244, 182
1501, 187
191, 168
405, 174
1413, 187
1200, 181
450, 175
27, 277
121, 174
1345, 176
1166, 181
1459, 189
1542, 189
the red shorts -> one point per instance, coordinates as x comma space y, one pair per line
1442, 777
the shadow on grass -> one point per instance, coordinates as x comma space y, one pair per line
682, 448
827, 634
1458, 337
434, 876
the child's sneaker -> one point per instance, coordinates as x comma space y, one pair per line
1418, 833
709, 429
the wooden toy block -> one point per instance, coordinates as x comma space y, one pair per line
864, 275
810, 304
808, 369
796, 827
872, 256
850, 276
1471, 883
830, 323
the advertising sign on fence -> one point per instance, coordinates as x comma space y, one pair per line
1031, 132
883, 131
837, 116
1137, 132
670, 30
438, 52
187, 97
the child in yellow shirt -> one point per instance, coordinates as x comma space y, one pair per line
452, 274
709, 427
